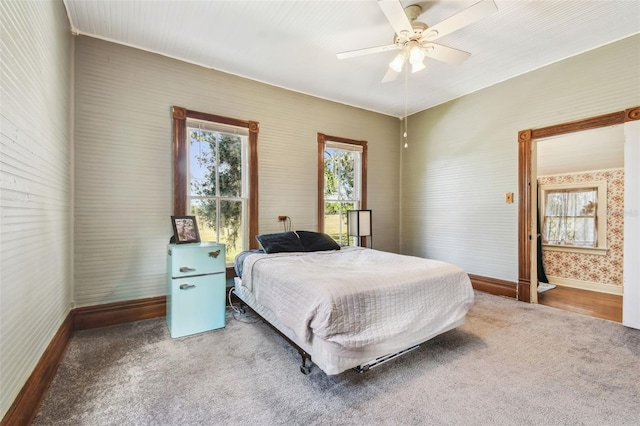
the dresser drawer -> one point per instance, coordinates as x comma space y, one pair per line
196, 304
196, 259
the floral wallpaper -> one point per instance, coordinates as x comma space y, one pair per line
605, 269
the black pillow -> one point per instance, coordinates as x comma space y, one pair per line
280, 242
317, 241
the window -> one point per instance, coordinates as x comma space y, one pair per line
215, 177
574, 216
342, 165
218, 184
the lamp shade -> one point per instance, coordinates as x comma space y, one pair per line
417, 67
398, 61
359, 223
416, 56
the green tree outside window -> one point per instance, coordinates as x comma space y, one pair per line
216, 186
340, 191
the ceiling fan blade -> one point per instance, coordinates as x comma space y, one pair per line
367, 51
468, 16
446, 54
396, 16
390, 75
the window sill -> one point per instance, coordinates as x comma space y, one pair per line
597, 251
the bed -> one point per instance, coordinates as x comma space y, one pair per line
349, 307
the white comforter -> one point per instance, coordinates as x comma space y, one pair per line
359, 300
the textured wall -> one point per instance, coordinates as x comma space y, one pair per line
605, 269
123, 163
463, 155
35, 185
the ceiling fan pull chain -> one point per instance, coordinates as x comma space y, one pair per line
406, 98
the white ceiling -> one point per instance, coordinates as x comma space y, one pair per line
590, 150
293, 44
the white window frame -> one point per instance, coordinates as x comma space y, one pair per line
243, 133
601, 215
356, 200
360, 183
180, 154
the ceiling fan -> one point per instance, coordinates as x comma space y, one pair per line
415, 39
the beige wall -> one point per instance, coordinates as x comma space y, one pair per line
463, 155
123, 161
35, 185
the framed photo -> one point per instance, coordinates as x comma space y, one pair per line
185, 229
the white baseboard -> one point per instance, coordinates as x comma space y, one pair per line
586, 285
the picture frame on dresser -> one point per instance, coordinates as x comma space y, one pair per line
185, 229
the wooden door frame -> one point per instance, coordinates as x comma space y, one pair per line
525, 290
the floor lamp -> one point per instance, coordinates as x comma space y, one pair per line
359, 225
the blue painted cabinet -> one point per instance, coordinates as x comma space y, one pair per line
196, 283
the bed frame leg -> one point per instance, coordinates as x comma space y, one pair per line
304, 368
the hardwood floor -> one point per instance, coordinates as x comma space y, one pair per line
591, 303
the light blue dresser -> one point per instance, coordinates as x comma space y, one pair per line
196, 283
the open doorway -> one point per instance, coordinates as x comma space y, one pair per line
527, 208
580, 211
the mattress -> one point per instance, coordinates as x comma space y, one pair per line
350, 306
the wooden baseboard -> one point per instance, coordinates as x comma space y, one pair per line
119, 313
585, 302
494, 286
524, 291
25, 406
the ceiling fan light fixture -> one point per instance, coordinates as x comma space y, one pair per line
415, 39
416, 56
417, 67
398, 62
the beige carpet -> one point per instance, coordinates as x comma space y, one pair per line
512, 363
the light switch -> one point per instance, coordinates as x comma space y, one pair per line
509, 197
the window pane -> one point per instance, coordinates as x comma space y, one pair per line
332, 220
330, 174
551, 229
230, 169
340, 174
202, 163
231, 227
347, 175
230, 223
582, 231
344, 230
555, 204
205, 213
335, 221
570, 217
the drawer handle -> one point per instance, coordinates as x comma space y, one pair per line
187, 269
186, 286
214, 254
